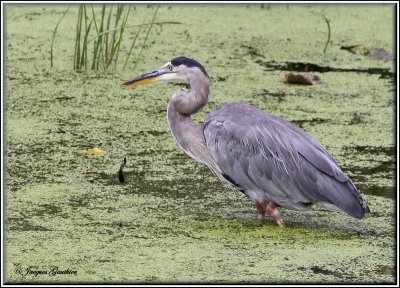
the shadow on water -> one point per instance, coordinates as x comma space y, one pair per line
253, 52
384, 73
358, 118
43, 209
313, 121
266, 95
379, 170
24, 224
143, 181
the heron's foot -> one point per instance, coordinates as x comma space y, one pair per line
269, 208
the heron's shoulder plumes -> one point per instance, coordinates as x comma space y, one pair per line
188, 62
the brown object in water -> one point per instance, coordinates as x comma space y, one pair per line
305, 79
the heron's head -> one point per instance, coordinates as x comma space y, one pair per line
178, 69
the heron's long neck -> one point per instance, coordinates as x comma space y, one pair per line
183, 104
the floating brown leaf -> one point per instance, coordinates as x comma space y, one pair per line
304, 79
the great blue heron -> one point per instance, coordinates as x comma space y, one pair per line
272, 161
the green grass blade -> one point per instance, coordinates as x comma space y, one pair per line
117, 48
96, 43
145, 40
327, 21
77, 54
113, 36
84, 46
130, 50
54, 36
107, 52
102, 39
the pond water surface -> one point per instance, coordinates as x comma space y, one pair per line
172, 220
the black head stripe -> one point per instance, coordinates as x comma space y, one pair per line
188, 62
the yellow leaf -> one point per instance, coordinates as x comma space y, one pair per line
94, 151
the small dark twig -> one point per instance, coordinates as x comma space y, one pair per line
121, 176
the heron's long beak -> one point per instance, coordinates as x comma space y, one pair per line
146, 78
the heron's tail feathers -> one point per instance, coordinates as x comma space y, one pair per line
344, 196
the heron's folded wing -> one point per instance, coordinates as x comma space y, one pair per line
266, 152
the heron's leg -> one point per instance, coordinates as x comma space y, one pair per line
274, 212
271, 209
260, 210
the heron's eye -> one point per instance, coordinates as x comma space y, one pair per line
169, 67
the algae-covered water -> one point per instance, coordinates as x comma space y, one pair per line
172, 220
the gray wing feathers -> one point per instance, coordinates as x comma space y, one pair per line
263, 152
315, 153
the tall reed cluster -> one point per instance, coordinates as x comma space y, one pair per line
106, 45
99, 37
